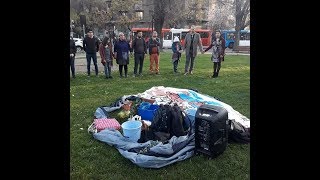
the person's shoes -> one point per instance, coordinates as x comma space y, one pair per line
140, 75
186, 73
110, 77
126, 76
134, 75
157, 73
214, 75
121, 76
73, 77
191, 72
107, 77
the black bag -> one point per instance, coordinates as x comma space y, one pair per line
239, 134
162, 119
178, 125
167, 122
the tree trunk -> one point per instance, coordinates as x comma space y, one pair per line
159, 15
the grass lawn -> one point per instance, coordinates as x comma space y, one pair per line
91, 159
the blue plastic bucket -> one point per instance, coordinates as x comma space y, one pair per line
147, 112
132, 130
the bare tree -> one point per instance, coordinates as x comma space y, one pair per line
223, 15
173, 13
160, 7
242, 14
99, 12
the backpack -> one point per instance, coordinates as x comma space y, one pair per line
170, 119
162, 119
178, 126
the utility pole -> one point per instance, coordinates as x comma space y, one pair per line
84, 33
152, 20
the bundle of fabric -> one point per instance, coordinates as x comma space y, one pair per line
151, 154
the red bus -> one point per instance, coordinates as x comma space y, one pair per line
169, 34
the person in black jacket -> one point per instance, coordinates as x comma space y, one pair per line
140, 49
73, 51
91, 47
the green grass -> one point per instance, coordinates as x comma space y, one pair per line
91, 159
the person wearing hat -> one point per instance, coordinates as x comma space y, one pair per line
219, 45
176, 49
91, 47
73, 50
192, 40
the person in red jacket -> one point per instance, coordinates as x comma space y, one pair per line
219, 45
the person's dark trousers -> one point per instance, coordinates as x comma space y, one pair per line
189, 60
138, 60
94, 58
175, 65
216, 68
107, 69
125, 70
72, 67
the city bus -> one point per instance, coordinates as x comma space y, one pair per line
205, 35
230, 36
147, 32
169, 34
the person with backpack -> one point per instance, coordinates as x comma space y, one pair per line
218, 44
176, 49
154, 44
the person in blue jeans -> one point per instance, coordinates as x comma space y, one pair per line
176, 49
91, 47
105, 50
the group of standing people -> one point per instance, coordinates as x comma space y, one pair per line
121, 50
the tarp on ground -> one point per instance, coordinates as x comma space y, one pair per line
154, 154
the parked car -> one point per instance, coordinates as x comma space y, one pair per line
79, 44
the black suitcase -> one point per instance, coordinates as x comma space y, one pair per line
211, 130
